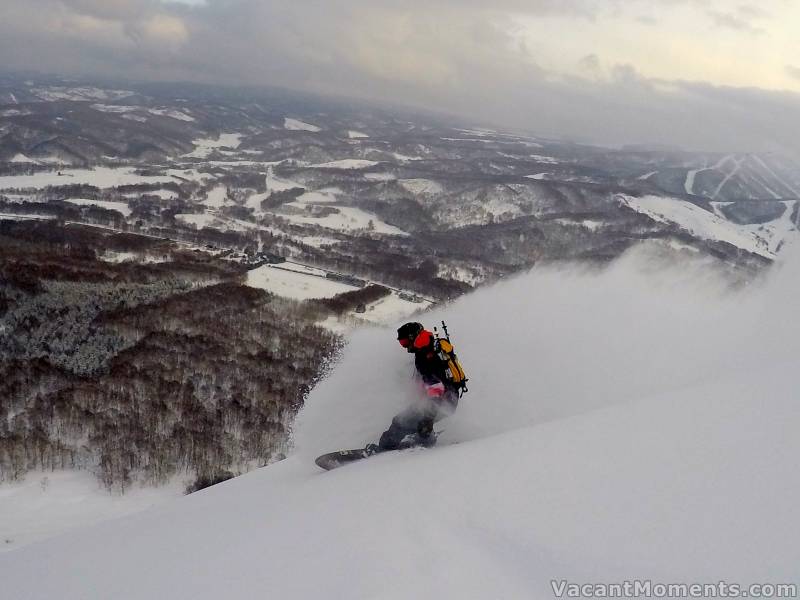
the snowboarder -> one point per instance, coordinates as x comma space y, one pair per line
443, 382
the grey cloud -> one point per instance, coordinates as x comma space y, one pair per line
112, 9
456, 57
591, 65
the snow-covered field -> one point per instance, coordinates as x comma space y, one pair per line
348, 218
380, 176
171, 113
293, 283
278, 184
114, 108
405, 157
262, 164
219, 222
452, 139
198, 220
618, 428
205, 146
22, 159
391, 309
102, 177
421, 186
15, 112
545, 159
347, 164
317, 241
318, 197
499, 206
217, 197
24, 217
303, 282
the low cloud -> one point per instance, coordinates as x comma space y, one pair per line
452, 56
111, 9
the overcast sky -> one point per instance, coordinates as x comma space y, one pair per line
703, 74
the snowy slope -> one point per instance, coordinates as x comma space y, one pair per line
45, 504
612, 433
205, 146
297, 125
699, 222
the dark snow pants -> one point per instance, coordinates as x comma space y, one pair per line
418, 420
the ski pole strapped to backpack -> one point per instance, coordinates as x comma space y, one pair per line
454, 371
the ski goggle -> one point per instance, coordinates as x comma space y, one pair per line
405, 342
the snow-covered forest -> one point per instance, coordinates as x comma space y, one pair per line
138, 372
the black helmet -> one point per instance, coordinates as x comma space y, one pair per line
409, 331
407, 334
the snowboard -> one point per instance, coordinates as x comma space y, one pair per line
334, 460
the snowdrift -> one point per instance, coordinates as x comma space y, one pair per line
638, 423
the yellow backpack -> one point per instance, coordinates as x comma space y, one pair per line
454, 371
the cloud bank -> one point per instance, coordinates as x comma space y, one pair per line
457, 57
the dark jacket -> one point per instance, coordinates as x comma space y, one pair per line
426, 358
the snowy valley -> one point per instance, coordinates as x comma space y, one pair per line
193, 278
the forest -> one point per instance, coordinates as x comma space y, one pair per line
138, 371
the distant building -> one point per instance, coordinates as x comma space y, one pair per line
409, 297
348, 279
274, 258
262, 258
